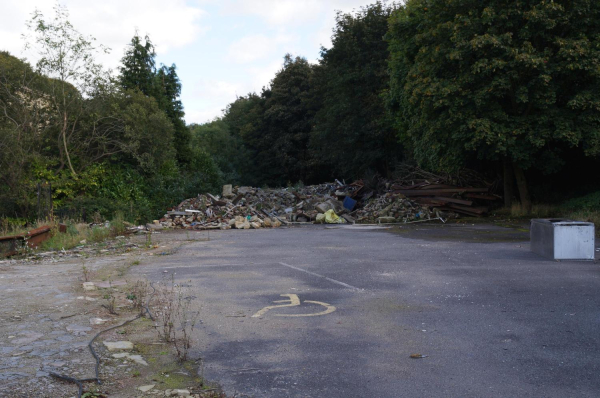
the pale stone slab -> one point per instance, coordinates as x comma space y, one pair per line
118, 345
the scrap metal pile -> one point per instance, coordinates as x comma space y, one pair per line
415, 195
467, 192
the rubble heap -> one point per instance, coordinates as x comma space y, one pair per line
393, 208
247, 207
415, 195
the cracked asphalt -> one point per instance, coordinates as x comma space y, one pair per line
490, 318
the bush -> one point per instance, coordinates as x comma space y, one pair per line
589, 202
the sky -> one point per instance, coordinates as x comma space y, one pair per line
222, 48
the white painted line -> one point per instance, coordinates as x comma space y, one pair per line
321, 276
206, 265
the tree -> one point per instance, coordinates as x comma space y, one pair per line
67, 57
514, 82
168, 92
288, 120
139, 72
245, 120
227, 150
147, 133
23, 127
352, 130
139, 69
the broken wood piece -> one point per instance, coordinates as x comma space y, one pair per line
454, 200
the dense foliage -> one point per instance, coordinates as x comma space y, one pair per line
506, 81
317, 122
352, 131
509, 88
104, 145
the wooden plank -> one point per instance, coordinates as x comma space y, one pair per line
476, 210
483, 197
457, 201
440, 186
437, 192
429, 201
468, 213
422, 184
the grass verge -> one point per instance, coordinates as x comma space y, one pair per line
80, 233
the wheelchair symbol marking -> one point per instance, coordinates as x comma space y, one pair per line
294, 301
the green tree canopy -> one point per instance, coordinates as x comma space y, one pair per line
352, 131
288, 120
138, 71
138, 68
245, 119
495, 79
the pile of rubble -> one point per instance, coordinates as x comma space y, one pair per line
396, 208
417, 196
246, 207
254, 208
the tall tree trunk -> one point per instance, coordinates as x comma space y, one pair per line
64, 137
523, 189
509, 181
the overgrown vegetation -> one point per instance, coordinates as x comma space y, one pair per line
81, 233
508, 90
105, 145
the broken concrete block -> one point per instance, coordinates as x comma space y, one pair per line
86, 298
227, 191
336, 205
323, 207
255, 225
348, 218
135, 358
78, 329
267, 222
118, 345
28, 337
146, 388
246, 190
89, 286
98, 321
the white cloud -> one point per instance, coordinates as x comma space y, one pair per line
212, 89
255, 47
262, 76
240, 55
111, 22
208, 98
290, 12
205, 114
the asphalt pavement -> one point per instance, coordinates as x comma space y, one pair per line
338, 312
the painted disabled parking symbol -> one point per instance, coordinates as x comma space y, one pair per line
294, 301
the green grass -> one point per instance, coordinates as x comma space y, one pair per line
79, 233
585, 208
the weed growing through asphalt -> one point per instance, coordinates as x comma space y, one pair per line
176, 318
138, 295
86, 272
111, 300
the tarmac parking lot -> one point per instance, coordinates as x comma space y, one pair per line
421, 311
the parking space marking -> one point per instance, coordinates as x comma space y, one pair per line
322, 276
294, 301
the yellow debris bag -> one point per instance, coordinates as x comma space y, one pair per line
332, 218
